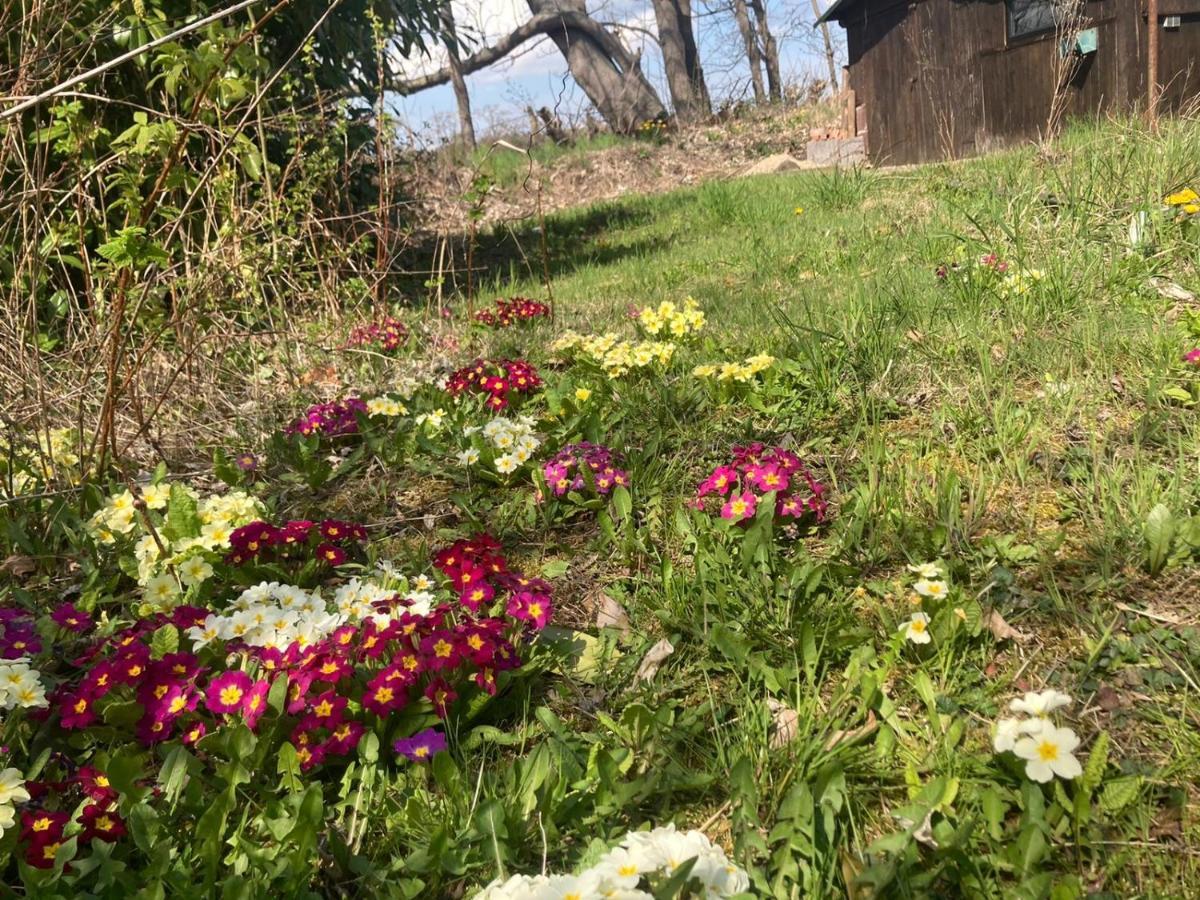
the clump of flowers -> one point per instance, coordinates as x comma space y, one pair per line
503, 444
930, 586
1185, 202
667, 318
387, 406
742, 372
512, 311
759, 474
636, 869
990, 272
614, 356
12, 792
1192, 358
300, 539
19, 638
385, 336
333, 419
1046, 747
170, 560
480, 574
20, 685
37, 458
501, 382
584, 467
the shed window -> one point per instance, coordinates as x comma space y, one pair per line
1026, 17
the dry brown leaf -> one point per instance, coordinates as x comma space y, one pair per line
915, 336
18, 565
612, 615
654, 658
1002, 631
785, 723
852, 735
1172, 291
1118, 385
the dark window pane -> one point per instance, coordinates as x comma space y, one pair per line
1030, 17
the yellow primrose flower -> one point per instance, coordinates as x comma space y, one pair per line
583, 395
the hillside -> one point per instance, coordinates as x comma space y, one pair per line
935, 637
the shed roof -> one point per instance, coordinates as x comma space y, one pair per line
835, 8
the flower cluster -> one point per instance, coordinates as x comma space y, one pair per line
930, 585
992, 272
509, 312
505, 444
55, 457
501, 381
269, 615
735, 371
480, 574
387, 406
1192, 357
385, 336
757, 473
1185, 202
20, 686
332, 419
44, 830
577, 467
325, 541
676, 321
643, 861
18, 635
614, 356
172, 560
1047, 748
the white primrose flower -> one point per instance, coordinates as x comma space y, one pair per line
926, 570
506, 464
468, 457
1009, 731
916, 629
1040, 704
1049, 752
932, 589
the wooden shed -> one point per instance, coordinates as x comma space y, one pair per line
935, 79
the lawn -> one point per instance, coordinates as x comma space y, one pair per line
971, 379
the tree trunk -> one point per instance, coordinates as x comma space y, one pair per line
681, 60
609, 75
834, 81
742, 15
466, 128
770, 51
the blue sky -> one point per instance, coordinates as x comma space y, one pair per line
537, 74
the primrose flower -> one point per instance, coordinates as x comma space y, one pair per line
194, 571
1192, 357
12, 788
739, 507
1049, 752
161, 591
1040, 704
583, 395
468, 457
1009, 731
155, 496
70, 617
227, 692
422, 746
931, 589
926, 570
916, 629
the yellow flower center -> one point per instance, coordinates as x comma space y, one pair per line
231, 695
1047, 751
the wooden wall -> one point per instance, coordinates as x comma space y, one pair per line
939, 79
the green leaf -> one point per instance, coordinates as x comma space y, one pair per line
164, 640
1119, 793
1093, 773
555, 568
183, 519
1159, 532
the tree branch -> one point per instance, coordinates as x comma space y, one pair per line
544, 23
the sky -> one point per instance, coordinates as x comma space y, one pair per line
536, 73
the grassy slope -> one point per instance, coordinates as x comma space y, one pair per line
1025, 432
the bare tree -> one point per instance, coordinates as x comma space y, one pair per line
607, 72
770, 50
828, 41
601, 65
466, 128
681, 60
742, 15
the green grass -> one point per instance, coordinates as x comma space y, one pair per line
1034, 440
1023, 439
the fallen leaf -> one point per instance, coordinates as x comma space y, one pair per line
19, 565
853, 735
1108, 699
612, 615
1172, 291
924, 833
914, 335
654, 658
1002, 631
1118, 385
785, 723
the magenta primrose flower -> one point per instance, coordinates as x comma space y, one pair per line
1192, 357
422, 746
740, 506
70, 617
227, 692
